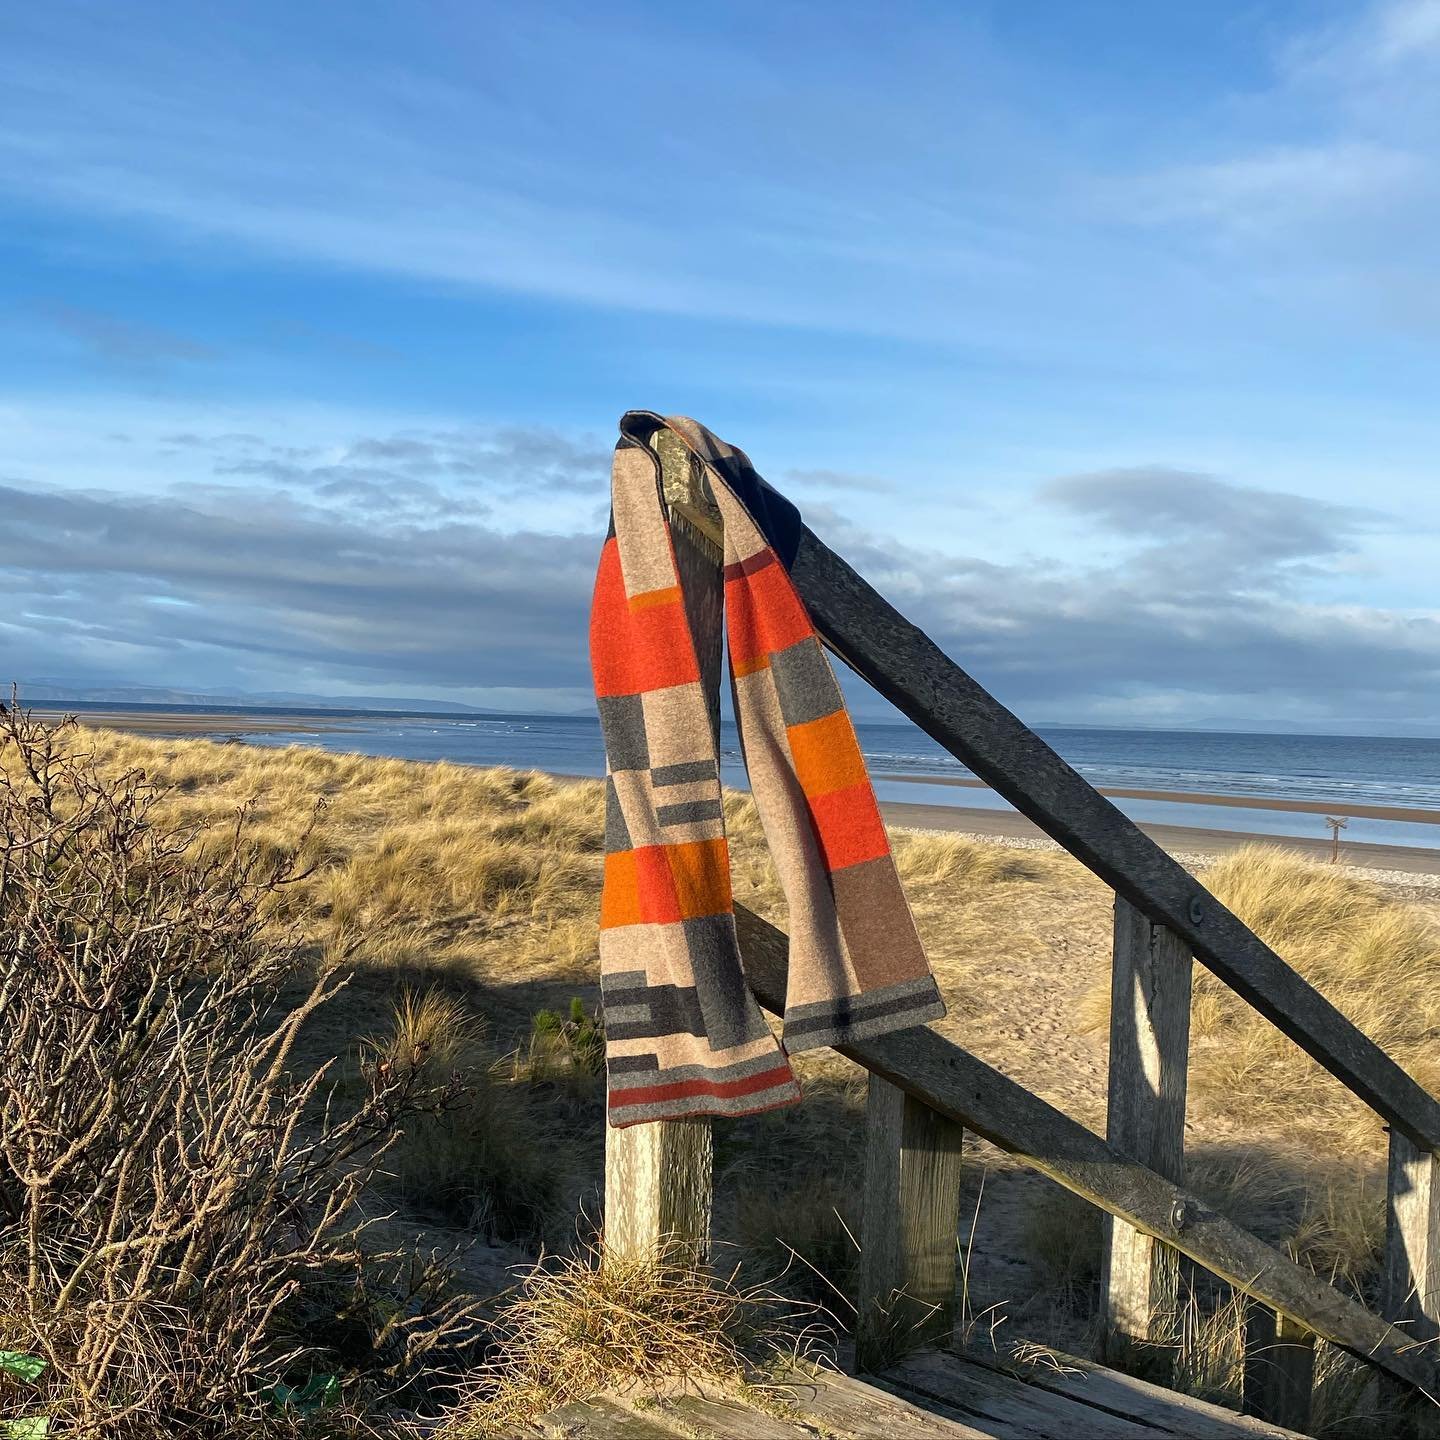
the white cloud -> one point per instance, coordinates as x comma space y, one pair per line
1277, 187
1379, 40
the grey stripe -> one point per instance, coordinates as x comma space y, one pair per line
674, 1074
684, 773
620, 1014
865, 1027
691, 813
862, 1004
844, 1015
773, 1096
624, 980
626, 1064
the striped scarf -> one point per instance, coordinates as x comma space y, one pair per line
684, 1035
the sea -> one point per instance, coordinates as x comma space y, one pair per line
1333, 770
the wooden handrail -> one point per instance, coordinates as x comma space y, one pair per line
957, 1085
925, 1091
900, 661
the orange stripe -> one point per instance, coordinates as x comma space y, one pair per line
655, 597
749, 665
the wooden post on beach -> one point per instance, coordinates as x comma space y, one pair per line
1149, 1056
909, 1227
659, 1176
658, 1186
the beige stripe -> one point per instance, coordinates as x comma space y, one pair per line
819, 967
750, 1050
659, 950
742, 536
689, 792
633, 790
694, 830
677, 725
645, 558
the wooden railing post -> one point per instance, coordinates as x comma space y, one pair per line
956, 1084
658, 1184
1411, 1295
1149, 1055
1279, 1370
909, 1227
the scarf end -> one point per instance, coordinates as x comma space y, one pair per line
863, 1017
692, 1098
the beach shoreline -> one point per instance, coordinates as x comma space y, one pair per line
990, 823
1010, 825
200, 726
1411, 815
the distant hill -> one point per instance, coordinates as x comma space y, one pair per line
47, 690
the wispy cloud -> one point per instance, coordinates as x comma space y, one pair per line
1283, 185
842, 480
435, 472
120, 341
800, 210
1169, 629
264, 582
1322, 186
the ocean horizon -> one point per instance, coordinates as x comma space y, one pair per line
1337, 771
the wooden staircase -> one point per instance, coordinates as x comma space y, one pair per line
925, 1092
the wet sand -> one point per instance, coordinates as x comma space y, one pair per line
1182, 839
1194, 797
207, 726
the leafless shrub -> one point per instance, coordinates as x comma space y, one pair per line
178, 1208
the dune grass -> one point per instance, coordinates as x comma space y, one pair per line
463, 901
576, 1327
1377, 960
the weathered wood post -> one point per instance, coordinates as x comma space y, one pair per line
658, 1179
659, 1176
1278, 1380
1411, 1296
1149, 1058
909, 1227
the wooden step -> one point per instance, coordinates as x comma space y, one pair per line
931, 1395
805, 1406
1059, 1395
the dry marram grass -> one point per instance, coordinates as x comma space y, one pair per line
1377, 960
462, 902
576, 1327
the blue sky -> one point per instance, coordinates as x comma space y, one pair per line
1102, 337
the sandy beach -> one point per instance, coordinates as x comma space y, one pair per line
1177, 839
211, 726
1408, 814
